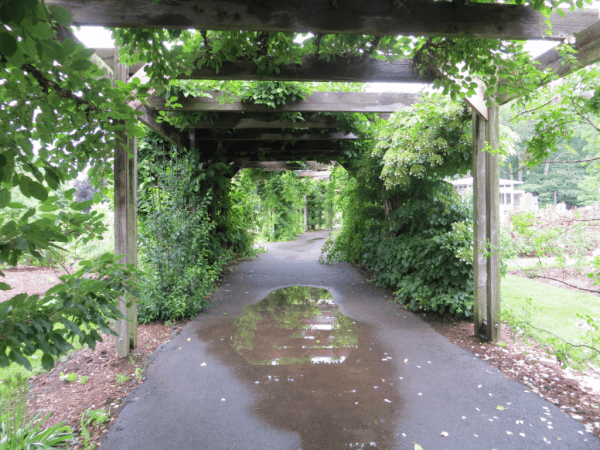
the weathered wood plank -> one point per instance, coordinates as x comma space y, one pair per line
313, 174
317, 102
281, 146
479, 223
289, 156
266, 135
106, 55
587, 45
123, 222
166, 131
376, 17
269, 166
493, 225
263, 120
341, 70
149, 118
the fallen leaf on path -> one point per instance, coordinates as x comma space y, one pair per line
500, 407
418, 447
406, 362
203, 365
189, 339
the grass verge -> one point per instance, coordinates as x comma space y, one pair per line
553, 308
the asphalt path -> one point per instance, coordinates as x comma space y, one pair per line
198, 394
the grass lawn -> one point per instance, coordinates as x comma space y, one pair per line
554, 309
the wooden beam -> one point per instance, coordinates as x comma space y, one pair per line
587, 44
313, 174
314, 69
125, 176
263, 120
317, 102
165, 130
278, 166
493, 224
149, 117
289, 156
106, 55
266, 135
486, 229
281, 146
376, 17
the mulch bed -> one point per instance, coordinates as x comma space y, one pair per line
109, 379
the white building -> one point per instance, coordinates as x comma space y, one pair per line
510, 198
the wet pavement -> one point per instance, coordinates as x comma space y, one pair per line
298, 355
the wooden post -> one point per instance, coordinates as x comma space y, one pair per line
125, 224
493, 225
486, 225
305, 215
479, 224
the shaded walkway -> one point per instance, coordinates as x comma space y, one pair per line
437, 386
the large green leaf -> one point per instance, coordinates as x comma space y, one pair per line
4, 197
8, 44
61, 15
37, 190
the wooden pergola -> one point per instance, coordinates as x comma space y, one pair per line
250, 135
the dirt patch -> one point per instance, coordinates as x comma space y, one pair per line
31, 280
569, 278
530, 365
103, 379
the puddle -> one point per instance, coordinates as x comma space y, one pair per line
314, 371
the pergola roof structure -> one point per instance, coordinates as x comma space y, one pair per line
253, 135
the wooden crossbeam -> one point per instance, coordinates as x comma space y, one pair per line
267, 120
274, 157
317, 102
106, 54
275, 166
281, 146
263, 120
314, 69
587, 44
375, 17
267, 135
314, 174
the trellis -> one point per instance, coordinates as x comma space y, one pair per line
258, 140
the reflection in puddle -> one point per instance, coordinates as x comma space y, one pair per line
315, 371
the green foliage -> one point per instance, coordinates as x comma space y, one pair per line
428, 259
180, 260
69, 377
17, 431
81, 303
58, 116
561, 111
122, 378
401, 219
273, 93
92, 418
432, 140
